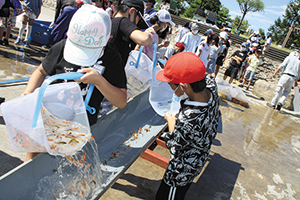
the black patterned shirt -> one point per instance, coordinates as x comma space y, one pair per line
190, 142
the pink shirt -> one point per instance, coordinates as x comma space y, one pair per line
149, 50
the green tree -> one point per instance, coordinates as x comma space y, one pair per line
237, 22
281, 27
261, 31
224, 18
212, 5
247, 6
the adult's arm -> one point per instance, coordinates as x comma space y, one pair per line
278, 69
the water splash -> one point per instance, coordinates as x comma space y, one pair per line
77, 177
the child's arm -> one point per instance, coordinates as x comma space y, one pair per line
116, 96
199, 50
35, 80
171, 119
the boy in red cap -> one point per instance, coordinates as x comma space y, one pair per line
192, 132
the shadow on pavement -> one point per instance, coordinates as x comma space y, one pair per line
217, 180
8, 163
2, 120
30, 55
142, 188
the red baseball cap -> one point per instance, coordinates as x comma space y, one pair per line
180, 45
183, 67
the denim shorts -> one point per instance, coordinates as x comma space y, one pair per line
249, 75
211, 64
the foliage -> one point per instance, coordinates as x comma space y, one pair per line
212, 5
236, 21
261, 31
223, 17
280, 29
157, 4
247, 6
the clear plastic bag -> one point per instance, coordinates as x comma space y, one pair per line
238, 94
52, 118
224, 88
161, 94
139, 65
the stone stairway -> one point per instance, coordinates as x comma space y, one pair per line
273, 53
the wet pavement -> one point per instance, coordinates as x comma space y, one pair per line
256, 157
19, 61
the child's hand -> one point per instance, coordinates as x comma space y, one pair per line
170, 117
91, 76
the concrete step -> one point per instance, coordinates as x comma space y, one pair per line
273, 53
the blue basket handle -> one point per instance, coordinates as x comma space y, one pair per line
67, 76
154, 54
139, 57
87, 100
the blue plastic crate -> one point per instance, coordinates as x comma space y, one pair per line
40, 32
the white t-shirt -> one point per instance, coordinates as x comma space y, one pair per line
190, 42
221, 48
205, 50
214, 51
169, 52
268, 42
180, 33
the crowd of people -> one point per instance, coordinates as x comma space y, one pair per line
97, 39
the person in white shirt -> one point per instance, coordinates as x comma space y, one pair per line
267, 44
214, 52
181, 31
223, 36
289, 77
204, 50
172, 50
191, 40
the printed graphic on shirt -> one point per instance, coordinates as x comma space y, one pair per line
190, 142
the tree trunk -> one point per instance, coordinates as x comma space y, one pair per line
200, 6
244, 14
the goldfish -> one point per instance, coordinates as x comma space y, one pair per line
70, 159
84, 158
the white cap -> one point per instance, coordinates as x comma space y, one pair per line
88, 33
223, 35
294, 53
164, 16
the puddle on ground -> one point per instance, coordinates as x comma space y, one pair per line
267, 144
20, 61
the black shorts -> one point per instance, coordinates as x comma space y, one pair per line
232, 71
220, 60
